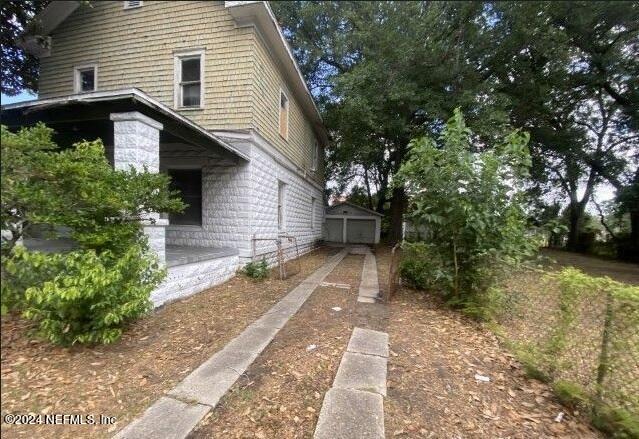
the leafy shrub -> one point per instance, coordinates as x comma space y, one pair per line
471, 203
86, 295
256, 270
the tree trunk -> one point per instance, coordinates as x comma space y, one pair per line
574, 226
398, 205
369, 196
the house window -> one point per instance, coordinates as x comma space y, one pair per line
315, 157
283, 115
189, 76
188, 182
85, 78
132, 4
281, 211
313, 202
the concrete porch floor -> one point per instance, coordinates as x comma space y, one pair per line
181, 254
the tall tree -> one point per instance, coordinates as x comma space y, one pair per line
394, 70
20, 70
388, 71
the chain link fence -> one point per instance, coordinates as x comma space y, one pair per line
581, 334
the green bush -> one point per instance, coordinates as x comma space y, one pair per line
256, 270
86, 295
471, 203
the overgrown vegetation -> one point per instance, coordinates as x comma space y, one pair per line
470, 205
579, 333
256, 270
87, 294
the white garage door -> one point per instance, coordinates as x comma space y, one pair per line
334, 229
360, 231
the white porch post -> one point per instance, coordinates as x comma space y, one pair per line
136, 143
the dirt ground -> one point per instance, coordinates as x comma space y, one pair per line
620, 271
280, 395
447, 376
433, 391
123, 379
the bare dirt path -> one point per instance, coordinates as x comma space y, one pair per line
123, 379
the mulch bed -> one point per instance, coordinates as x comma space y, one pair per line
281, 394
433, 391
123, 379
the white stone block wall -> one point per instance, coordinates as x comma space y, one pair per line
136, 141
240, 200
226, 197
265, 175
188, 279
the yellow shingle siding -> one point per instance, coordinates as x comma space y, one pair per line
269, 82
135, 48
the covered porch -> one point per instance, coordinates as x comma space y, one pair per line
140, 132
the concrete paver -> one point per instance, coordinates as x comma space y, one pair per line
367, 341
168, 418
351, 414
362, 372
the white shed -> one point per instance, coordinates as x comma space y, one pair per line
347, 223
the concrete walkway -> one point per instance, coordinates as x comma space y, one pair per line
175, 415
354, 407
369, 286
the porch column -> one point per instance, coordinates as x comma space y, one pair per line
136, 143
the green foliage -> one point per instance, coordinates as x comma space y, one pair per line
76, 188
86, 295
563, 354
617, 422
471, 205
256, 270
570, 394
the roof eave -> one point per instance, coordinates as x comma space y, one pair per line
137, 95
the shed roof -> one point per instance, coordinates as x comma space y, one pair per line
330, 209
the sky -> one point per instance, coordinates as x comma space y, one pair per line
24, 96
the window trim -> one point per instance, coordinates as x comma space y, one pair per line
77, 83
279, 114
315, 156
177, 78
281, 206
128, 6
313, 208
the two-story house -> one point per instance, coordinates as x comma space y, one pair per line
206, 91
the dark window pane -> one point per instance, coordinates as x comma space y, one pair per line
191, 69
191, 95
189, 183
87, 80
